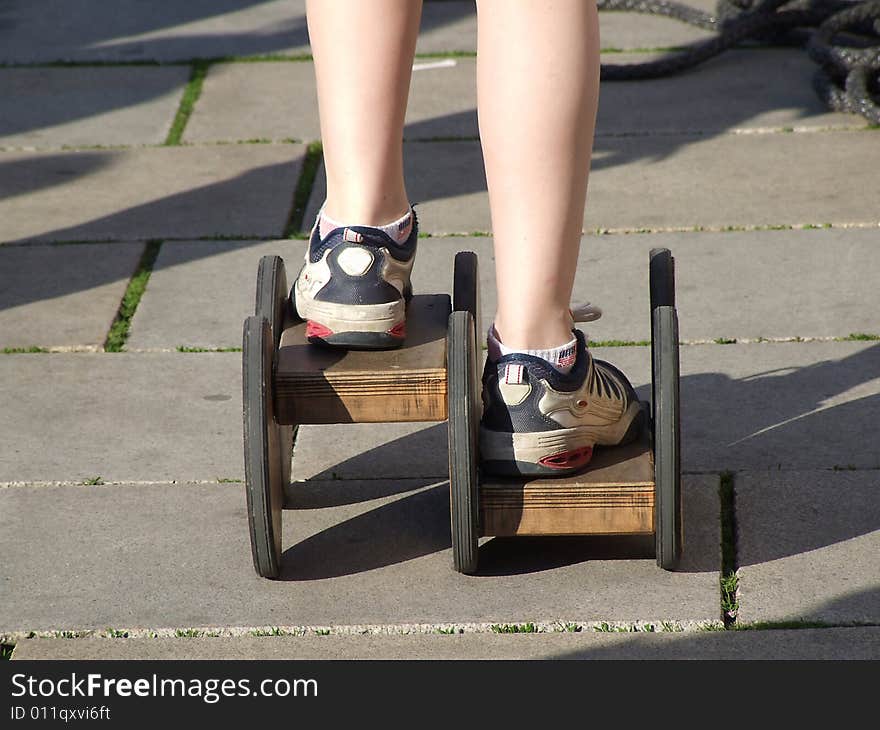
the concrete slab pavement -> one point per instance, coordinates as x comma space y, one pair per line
169, 416
174, 192
178, 555
127, 30
667, 182
201, 291
732, 93
62, 296
93, 105
809, 546
835, 294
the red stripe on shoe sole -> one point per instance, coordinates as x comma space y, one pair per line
398, 330
313, 329
574, 459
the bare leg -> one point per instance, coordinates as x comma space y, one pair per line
363, 59
538, 90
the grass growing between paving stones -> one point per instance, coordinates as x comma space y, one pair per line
777, 625
528, 628
303, 191
191, 95
620, 343
184, 348
6, 652
729, 581
23, 350
119, 329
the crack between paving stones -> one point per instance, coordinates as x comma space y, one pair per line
137, 285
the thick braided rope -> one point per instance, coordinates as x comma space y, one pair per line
848, 78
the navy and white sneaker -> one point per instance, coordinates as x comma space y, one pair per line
540, 422
354, 287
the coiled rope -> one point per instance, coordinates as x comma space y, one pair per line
841, 36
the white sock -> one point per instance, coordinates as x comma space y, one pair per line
398, 230
562, 358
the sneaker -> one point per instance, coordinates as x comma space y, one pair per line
354, 287
540, 422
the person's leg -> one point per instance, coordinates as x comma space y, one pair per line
547, 401
363, 55
538, 90
355, 282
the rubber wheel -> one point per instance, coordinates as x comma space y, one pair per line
463, 434
466, 285
665, 378
667, 441
273, 303
262, 460
662, 278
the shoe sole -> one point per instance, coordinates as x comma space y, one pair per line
561, 452
354, 326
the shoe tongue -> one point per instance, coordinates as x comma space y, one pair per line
351, 236
512, 373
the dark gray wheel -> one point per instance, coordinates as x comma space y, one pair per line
464, 418
466, 286
662, 278
273, 303
666, 410
262, 460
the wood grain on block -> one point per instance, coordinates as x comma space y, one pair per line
316, 384
614, 496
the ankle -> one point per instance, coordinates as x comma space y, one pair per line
398, 228
561, 357
535, 334
362, 212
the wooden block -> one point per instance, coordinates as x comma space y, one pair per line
315, 384
615, 496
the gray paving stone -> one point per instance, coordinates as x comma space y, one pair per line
175, 192
446, 179
154, 556
371, 451
730, 94
667, 181
201, 291
121, 417
62, 296
127, 30
808, 544
736, 285
89, 105
241, 101
279, 101
836, 643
